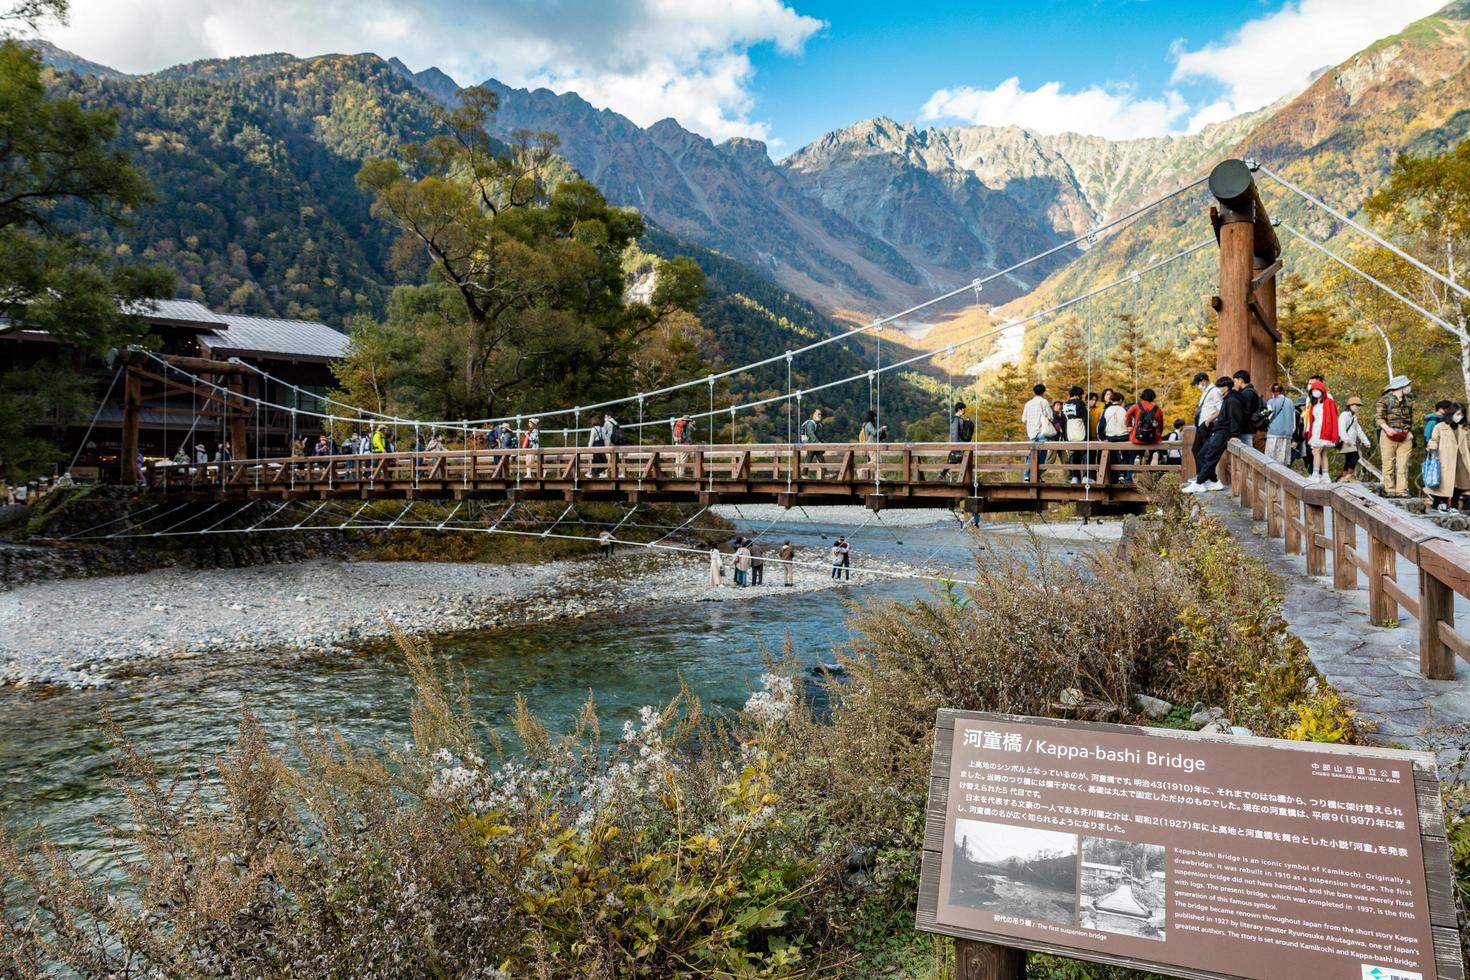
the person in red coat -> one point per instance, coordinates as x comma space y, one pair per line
1320, 424
1145, 428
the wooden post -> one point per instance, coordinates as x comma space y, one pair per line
1271, 493
1260, 494
1315, 529
127, 464
1344, 536
987, 961
238, 447
1186, 454
1436, 605
1263, 345
1291, 511
1249, 250
1237, 235
1382, 563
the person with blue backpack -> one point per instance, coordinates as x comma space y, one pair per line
1446, 470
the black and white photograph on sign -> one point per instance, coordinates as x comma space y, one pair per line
1123, 887
1014, 871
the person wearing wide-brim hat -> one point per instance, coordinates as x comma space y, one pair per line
1353, 438
1393, 418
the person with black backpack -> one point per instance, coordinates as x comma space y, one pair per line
596, 438
1145, 428
961, 429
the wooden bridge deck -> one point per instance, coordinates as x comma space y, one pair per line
984, 477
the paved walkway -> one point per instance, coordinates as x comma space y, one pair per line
1379, 666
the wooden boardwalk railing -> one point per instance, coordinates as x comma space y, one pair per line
982, 476
1296, 511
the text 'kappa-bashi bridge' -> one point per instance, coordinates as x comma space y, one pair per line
976, 476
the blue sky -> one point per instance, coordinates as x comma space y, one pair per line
868, 62
787, 71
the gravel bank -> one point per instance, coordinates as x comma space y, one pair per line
97, 632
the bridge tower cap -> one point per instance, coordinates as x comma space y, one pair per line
1231, 181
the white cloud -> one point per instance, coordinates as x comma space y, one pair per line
1275, 55
644, 58
1116, 113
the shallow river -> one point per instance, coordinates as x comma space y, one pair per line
54, 761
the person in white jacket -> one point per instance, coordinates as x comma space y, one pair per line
1036, 416
1354, 439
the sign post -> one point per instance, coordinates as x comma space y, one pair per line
1197, 856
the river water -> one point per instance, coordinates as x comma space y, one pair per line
54, 760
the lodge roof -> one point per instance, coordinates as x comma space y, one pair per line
305, 339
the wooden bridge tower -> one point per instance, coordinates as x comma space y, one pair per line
1250, 258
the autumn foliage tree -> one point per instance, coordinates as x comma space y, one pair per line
526, 295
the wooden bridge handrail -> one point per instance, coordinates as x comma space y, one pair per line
1295, 508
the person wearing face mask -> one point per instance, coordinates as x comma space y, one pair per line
1450, 444
1321, 426
1210, 400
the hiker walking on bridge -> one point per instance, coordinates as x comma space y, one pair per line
1393, 417
1036, 416
811, 432
1074, 416
961, 429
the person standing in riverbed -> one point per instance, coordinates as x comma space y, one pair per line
714, 567
742, 563
787, 554
834, 555
757, 565
846, 558
605, 540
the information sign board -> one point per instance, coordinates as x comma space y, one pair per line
1199, 856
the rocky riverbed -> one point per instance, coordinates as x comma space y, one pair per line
98, 632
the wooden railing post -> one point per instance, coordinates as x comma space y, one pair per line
1291, 513
1382, 564
1275, 508
1260, 488
1436, 607
986, 961
1186, 454
1316, 526
1344, 539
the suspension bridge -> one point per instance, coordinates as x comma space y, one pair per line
295, 493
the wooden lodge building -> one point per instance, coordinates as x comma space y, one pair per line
172, 413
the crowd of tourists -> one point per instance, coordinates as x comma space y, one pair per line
1094, 417
748, 563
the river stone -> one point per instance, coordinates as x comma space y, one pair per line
1151, 706
1240, 730
1071, 696
1206, 716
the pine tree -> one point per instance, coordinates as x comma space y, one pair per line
1069, 357
998, 409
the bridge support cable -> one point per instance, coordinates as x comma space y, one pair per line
165, 531
82, 446
976, 338
680, 527
1377, 282
1318, 202
1089, 236
228, 517
155, 517
97, 527
710, 380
